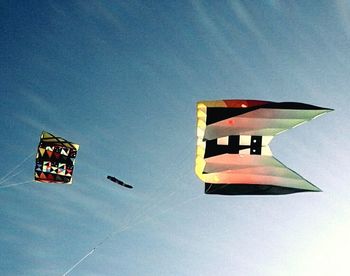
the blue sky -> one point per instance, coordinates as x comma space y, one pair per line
122, 78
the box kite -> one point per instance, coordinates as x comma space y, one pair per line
233, 155
55, 159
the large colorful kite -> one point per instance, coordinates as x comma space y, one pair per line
233, 155
55, 159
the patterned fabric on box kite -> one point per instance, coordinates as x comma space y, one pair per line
55, 159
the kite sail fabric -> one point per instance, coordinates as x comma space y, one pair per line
233, 155
55, 159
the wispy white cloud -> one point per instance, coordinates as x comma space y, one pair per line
96, 9
38, 101
343, 9
247, 20
36, 124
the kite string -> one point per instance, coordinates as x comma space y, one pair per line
155, 203
166, 210
8, 175
77, 263
126, 227
138, 219
149, 207
12, 175
15, 184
